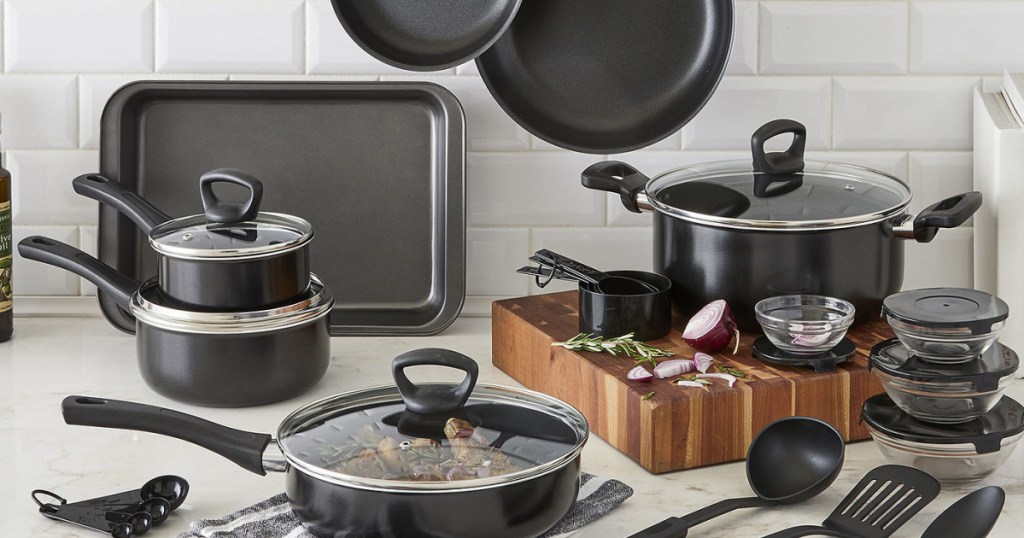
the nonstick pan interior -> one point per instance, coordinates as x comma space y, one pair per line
603, 76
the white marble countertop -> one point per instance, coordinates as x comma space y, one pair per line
50, 358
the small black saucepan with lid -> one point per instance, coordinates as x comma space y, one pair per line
429, 460
231, 257
212, 358
778, 224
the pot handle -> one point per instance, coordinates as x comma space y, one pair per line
790, 161
126, 201
226, 212
948, 213
618, 177
53, 252
432, 399
242, 447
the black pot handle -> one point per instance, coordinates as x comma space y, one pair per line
432, 399
949, 213
226, 212
53, 252
126, 201
242, 447
617, 177
790, 161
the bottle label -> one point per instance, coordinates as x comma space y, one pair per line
6, 283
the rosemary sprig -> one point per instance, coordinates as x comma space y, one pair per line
638, 351
647, 396
724, 368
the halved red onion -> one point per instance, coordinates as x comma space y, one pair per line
712, 328
639, 374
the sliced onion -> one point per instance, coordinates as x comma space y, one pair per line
672, 368
728, 377
639, 374
702, 361
685, 383
712, 328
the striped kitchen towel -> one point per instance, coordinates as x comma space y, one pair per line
273, 518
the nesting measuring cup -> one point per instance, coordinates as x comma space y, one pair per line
648, 315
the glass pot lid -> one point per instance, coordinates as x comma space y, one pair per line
984, 373
433, 436
229, 229
780, 191
986, 432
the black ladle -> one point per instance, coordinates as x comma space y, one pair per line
789, 461
600, 281
973, 516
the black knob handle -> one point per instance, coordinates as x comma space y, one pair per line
432, 399
226, 212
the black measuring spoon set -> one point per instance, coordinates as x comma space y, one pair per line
121, 515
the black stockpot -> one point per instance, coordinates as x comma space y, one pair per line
741, 232
231, 257
217, 359
330, 503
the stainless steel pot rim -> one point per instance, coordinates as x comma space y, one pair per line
386, 394
147, 310
840, 171
298, 233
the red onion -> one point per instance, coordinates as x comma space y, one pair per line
712, 328
729, 378
639, 374
702, 361
673, 368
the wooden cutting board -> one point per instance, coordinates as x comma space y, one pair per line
677, 427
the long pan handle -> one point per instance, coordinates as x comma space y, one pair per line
676, 527
53, 252
242, 447
144, 214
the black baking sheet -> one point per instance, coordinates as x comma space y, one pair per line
378, 168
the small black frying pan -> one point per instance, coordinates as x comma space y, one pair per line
608, 76
425, 35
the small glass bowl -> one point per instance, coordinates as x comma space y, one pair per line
949, 345
804, 324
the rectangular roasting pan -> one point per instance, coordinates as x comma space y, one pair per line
378, 168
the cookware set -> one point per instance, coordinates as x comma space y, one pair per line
944, 376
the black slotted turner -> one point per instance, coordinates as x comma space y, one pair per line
885, 499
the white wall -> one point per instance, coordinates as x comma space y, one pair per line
882, 83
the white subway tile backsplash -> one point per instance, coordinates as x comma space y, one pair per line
41, 192
96, 91
331, 50
742, 104
743, 57
39, 111
966, 37
833, 37
530, 189
903, 112
947, 261
488, 128
233, 36
35, 278
492, 257
935, 175
604, 248
73, 36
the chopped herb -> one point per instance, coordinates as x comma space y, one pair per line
648, 395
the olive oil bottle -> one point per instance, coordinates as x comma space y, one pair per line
6, 283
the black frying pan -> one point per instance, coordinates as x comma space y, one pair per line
605, 76
425, 35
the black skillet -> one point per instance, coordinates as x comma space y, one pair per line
425, 35
605, 76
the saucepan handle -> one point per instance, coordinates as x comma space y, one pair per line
242, 447
228, 212
53, 252
126, 201
433, 399
620, 178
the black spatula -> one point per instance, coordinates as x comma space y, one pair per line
879, 504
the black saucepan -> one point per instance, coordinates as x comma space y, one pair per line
233, 257
218, 359
437, 460
729, 230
